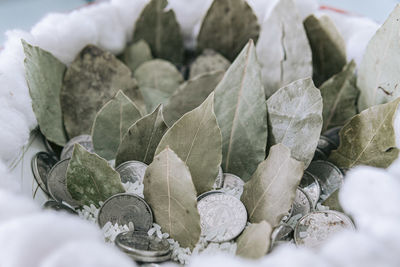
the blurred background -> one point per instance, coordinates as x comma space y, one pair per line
23, 14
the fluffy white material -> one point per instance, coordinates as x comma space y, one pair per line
34, 238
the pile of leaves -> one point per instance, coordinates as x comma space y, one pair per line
188, 112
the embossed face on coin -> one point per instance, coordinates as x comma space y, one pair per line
222, 217
57, 184
57, 206
302, 204
315, 228
234, 184
41, 165
140, 243
328, 175
311, 187
132, 171
84, 140
125, 208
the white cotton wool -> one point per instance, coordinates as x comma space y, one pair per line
220, 260
14, 206
8, 183
87, 254
30, 239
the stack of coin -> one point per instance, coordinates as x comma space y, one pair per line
132, 171
143, 248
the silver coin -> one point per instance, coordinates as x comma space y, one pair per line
148, 259
219, 181
326, 145
315, 228
84, 140
222, 217
328, 175
208, 193
41, 165
124, 208
302, 204
132, 171
140, 243
57, 206
319, 155
283, 232
310, 185
333, 135
233, 183
57, 184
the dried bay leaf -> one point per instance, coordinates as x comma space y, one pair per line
91, 80
295, 119
208, 61
283, 48
339, 96
379, 73
136, 54
196, 139
328, 48
368, 138
169, 190
157, 26
227, 27
90, 178
111, 123
44, 74
142, 138
241, 115
190, 95
158, 80
269, 194
255, 240
333, 201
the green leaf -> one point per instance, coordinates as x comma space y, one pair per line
227, 27
157, 25
44, 74
254, 242
136, 54
190, 95
91, 80
272, 189
158, 80
368, 138
142, 138
339, 96
111, 123
295, 119
196, 139
169, 190
283, 48
208, 61
379, 72
328, 48
241, 115
91, 179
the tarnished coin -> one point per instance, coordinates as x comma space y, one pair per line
319, 155
57, 206
132, 171
301, 204
41, 165
315, 228
57, 184
283, 232
219, 181
140, 243
84, 140
329, 177
326, 145
333, 135
310, 185
222, 217
233, 183
124, 208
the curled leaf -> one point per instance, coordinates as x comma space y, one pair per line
169, 190
196, 139
190, 95
227, 27
208, 61
270, 192
158, 80
368, 138
136, 54
90, 179
142, 138
44, 74
254, 242
241, 115
111, 123
157, 25
295, 119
